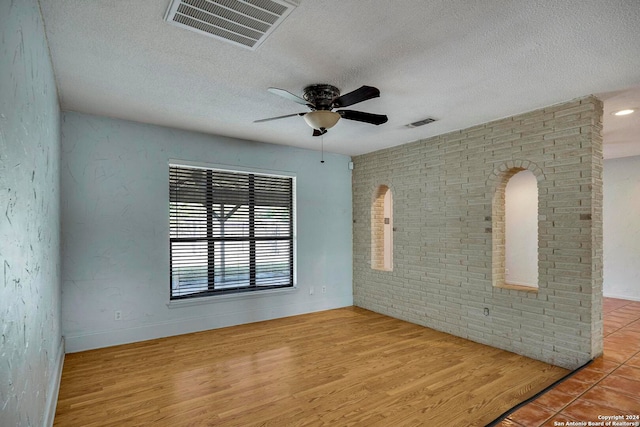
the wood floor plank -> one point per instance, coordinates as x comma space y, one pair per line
345, 367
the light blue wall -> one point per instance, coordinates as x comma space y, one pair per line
621, 228
30, 331
114, 176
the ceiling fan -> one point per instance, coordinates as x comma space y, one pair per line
322, 99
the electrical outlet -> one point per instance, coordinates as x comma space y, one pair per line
117, 315
486, 311
324, 289
310, 290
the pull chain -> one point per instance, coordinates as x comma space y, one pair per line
322, 148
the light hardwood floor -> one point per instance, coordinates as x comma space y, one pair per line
345, 367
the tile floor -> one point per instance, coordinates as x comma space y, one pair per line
610, 385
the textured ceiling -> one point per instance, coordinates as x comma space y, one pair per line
462, 62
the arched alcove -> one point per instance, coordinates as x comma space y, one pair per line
521, 230
382, 229
523, 189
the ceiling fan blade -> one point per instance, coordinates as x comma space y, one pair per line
358, 95
319, 132
374, 119
279, 117
288, 95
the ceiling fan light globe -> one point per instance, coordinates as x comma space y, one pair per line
321, 119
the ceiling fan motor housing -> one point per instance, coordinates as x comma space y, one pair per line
321, 96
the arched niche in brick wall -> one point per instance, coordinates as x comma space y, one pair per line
521, 230
382, 229
498, 183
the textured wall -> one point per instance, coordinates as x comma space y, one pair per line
622, 228
448, 194
115, 216
30, 340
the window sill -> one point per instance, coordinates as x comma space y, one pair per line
516, 287
226, 297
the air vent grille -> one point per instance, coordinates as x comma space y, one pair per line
246, 23
421, 122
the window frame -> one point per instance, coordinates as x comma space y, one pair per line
253, 288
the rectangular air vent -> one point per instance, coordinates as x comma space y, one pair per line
246, 23
421, 122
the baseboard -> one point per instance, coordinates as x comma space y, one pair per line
627, 297
185, 326
54, 386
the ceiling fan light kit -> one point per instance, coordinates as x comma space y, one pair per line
321, 119
321, 99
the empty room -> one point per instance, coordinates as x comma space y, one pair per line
319, 213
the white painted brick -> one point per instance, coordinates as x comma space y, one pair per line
445, 257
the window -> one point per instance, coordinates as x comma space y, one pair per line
229, 231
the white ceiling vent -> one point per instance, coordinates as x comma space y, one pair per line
242, 22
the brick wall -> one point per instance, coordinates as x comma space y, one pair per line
448, 195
